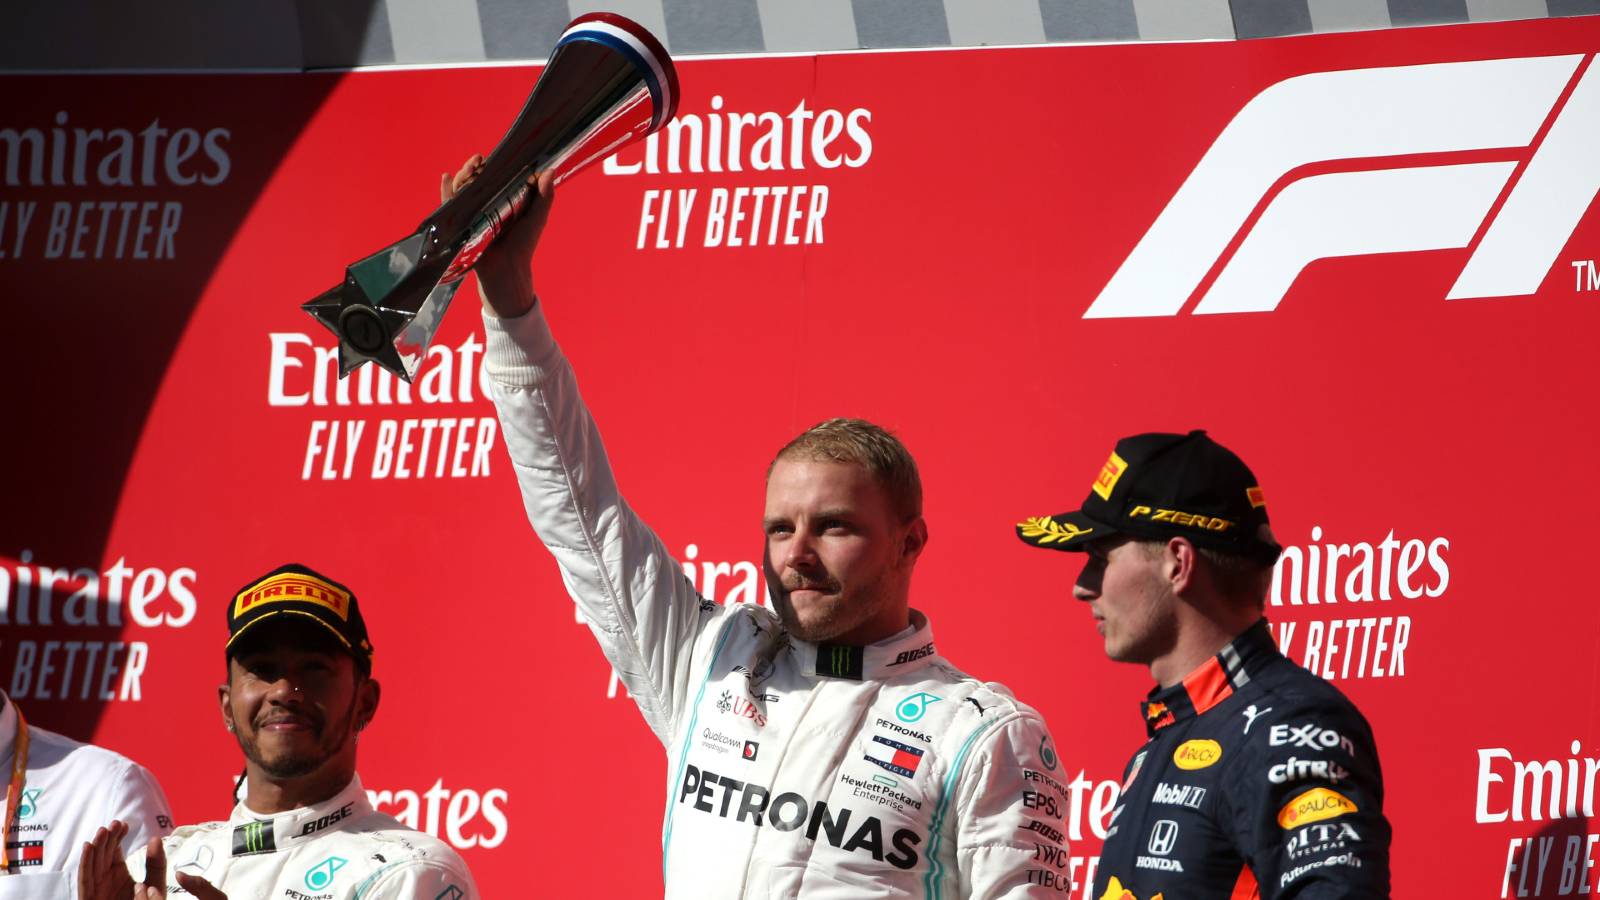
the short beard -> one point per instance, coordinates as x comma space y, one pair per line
298, 766
851, 609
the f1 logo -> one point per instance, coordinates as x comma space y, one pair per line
1367, 121
1163, 836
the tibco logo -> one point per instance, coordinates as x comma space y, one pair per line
1361, 117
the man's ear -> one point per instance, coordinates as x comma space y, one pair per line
224, 699
368, 693
916, 539
1179, 560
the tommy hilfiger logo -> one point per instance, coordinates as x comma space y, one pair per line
24, 853
901, 759
254, 837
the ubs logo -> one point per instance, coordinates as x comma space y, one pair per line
1163, 836
741, 707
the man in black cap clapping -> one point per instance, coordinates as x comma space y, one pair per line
299, 690
1258, 779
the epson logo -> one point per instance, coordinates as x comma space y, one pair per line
1368, 121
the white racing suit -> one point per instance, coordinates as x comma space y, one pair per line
71, 791
794, 769
339, 849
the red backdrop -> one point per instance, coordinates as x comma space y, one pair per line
172, 412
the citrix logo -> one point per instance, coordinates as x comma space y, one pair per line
1369, 120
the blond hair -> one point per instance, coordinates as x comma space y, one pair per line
861, 443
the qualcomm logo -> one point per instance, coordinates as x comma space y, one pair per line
1364, 123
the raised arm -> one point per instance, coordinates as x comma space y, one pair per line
637, 601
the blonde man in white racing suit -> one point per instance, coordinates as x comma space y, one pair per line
825, 750
299, 691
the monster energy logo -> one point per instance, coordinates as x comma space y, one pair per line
254, 837
839, 661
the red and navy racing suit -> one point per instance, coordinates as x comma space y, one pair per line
1259, 780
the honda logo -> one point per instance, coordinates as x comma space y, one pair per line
1163, 836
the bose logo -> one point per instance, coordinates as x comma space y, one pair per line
1364, 117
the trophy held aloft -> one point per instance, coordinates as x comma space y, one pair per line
608, 83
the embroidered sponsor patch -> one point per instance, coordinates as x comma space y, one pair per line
1109, 474
254, 837
901, 759
293, 587
1314, 805
1196, 754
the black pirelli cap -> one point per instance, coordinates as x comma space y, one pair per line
1156, 486
298, 594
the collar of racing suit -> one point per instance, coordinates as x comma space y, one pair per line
1213, 682
8, 728
907, 651
296, 824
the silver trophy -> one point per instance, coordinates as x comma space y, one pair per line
608, 83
